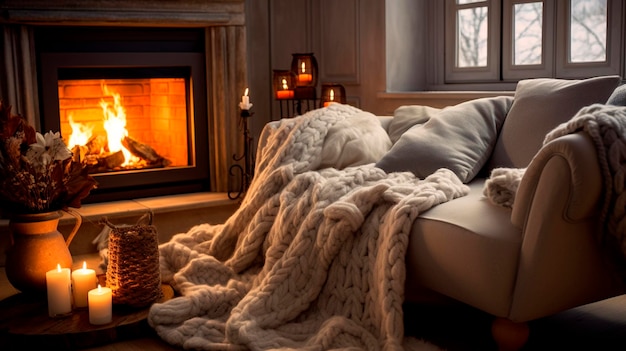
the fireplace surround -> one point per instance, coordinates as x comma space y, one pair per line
79, 70
205, 37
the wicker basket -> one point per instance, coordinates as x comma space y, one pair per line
133, 264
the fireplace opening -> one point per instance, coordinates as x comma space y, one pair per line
137, 120
123, 124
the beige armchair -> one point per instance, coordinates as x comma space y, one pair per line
519, 264
542, 255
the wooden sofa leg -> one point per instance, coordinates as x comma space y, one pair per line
509, 335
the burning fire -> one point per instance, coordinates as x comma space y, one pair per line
114, 122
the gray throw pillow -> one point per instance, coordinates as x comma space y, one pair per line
539, 106
618, 97
458, 137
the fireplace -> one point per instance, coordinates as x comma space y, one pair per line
131, 106
126, 46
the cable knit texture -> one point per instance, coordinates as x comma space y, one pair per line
312, 260
501, 186
606, 125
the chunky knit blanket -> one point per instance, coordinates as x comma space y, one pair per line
606, 125
312, 260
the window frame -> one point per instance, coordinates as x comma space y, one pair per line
511, 72
491, 72
614, 44
501, 73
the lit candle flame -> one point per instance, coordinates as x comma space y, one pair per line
84, 264
246, 92
59, 267
285, 86
332, 95
303, 68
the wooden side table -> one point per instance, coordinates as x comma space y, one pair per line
24, 322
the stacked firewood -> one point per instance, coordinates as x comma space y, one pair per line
99, 159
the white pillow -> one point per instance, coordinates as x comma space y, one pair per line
357, 140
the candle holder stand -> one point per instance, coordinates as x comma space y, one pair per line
247, 171
304, 100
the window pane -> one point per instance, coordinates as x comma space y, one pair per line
588, 26
471, 37
528, 32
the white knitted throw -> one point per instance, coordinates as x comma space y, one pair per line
312, 260
501, 186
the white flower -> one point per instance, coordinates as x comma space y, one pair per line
48, 148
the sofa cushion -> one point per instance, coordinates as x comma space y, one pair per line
539, 106
459, 137
467, 249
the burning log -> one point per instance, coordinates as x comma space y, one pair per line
98, 158
145, 152
114, 160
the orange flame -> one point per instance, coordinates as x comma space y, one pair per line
114, 122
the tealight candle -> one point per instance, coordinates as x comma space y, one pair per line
83, 280
100, 305
59, 289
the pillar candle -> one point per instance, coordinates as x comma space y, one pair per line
305, 78
83, 280
59, 288
284, 94
100, 305
332, 98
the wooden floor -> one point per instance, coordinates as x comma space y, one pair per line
598, 326
451, 326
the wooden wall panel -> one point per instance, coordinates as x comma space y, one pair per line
339, 41
290, 30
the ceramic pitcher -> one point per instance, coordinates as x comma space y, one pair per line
37, 247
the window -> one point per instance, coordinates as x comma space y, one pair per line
508, 40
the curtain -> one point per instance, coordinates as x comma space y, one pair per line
18, 83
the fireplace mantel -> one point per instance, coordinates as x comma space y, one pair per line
184, 13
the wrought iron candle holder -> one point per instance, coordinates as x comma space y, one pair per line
295, 89
246, 173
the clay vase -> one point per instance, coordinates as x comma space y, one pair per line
36, 247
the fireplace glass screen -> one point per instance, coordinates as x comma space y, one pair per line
125, 124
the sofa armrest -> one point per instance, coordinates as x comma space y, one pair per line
582, 184
561, 265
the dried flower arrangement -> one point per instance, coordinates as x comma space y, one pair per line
37, 172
